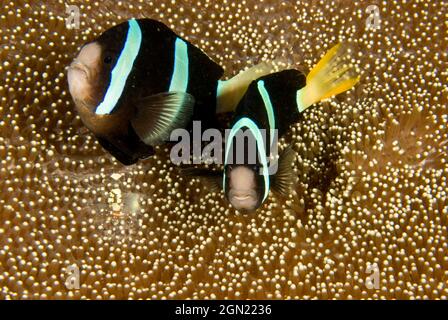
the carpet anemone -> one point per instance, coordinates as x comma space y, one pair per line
369, 203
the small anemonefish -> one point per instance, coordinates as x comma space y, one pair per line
138, 81
274, 102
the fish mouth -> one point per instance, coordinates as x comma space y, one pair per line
242, 195
80, 67
242, 198
245, 201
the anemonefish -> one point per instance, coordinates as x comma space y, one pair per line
274, 102
138, 81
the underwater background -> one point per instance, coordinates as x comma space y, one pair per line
368, 216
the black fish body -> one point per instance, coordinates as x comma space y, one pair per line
162, 82
270, 103
273, 102
280, 89
154, 66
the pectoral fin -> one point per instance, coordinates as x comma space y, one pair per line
211, 179
158, 115
282, 180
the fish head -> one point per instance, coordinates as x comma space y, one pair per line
84, 75
244, 187
90, 72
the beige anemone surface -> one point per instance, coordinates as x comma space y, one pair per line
368, 216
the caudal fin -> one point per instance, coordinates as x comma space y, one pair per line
231, 91
332, 75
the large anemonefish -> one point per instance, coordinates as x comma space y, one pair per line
138, 81
273, 102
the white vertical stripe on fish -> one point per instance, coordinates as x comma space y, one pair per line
179, 79
248, 123
268, 106
122, 69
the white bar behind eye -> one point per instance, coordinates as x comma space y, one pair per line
122, 69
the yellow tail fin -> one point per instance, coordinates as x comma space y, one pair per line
332, 75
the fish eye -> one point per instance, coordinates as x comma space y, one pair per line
257, 169
108, 59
